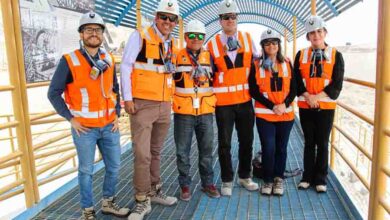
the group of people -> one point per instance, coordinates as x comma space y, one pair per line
197, 83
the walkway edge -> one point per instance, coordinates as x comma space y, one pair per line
52, 197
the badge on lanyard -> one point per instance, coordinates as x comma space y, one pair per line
169, 82
196, 103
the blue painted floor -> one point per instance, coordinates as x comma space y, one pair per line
295, 204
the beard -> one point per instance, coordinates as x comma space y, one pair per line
92, 44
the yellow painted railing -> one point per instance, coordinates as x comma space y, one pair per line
38, 158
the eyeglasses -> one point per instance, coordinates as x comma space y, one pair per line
192, 36
227, 17
90, 30
273, 42
172, 18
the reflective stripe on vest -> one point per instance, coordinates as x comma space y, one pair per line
190, 68
149, 66
231, 88
269, 111
192, 90
325, 99
86, 114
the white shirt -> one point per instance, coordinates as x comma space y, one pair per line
131, 51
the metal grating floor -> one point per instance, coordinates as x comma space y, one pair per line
295, 204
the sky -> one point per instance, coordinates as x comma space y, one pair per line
357, 25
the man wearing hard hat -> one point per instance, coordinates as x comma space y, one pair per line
319, 71
91, 105
194, 105
146, 78
232, 53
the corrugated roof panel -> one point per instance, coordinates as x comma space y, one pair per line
275, 14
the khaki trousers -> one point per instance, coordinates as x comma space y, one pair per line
149, 127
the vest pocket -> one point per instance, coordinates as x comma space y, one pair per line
152, 51
182, 104
208, 104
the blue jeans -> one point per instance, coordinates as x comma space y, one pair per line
184, 127
109, 146
274, 139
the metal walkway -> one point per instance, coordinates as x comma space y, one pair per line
295, 204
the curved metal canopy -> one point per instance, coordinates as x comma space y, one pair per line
276, 14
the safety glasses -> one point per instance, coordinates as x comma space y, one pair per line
172, 18
192, 36
228, 16
89, 30
268, 43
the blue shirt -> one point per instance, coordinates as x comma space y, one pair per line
63, 76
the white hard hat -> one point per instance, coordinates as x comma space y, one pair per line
228, 6
195, 26
314, 23
91, 18
168, 6
269, 34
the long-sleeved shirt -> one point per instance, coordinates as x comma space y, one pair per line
256, 95
63, 76
333, 89
131, 51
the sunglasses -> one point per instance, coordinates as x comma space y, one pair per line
267, 43
192, 36
227, 17
172, 18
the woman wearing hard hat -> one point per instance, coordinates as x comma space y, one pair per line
273, 87
319, 71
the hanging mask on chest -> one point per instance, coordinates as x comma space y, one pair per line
99, 67
268, 64
169, 67
199, 75
232, 44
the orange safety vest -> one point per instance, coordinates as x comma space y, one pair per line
274, 91
315, 85
84, 95
148, 79
231, 79
189, 99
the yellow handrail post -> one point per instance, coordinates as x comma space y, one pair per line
181, 33
333, 141
14, 75
313, 7
139, 18
294, 37
381, 119
285, 42
23, 92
